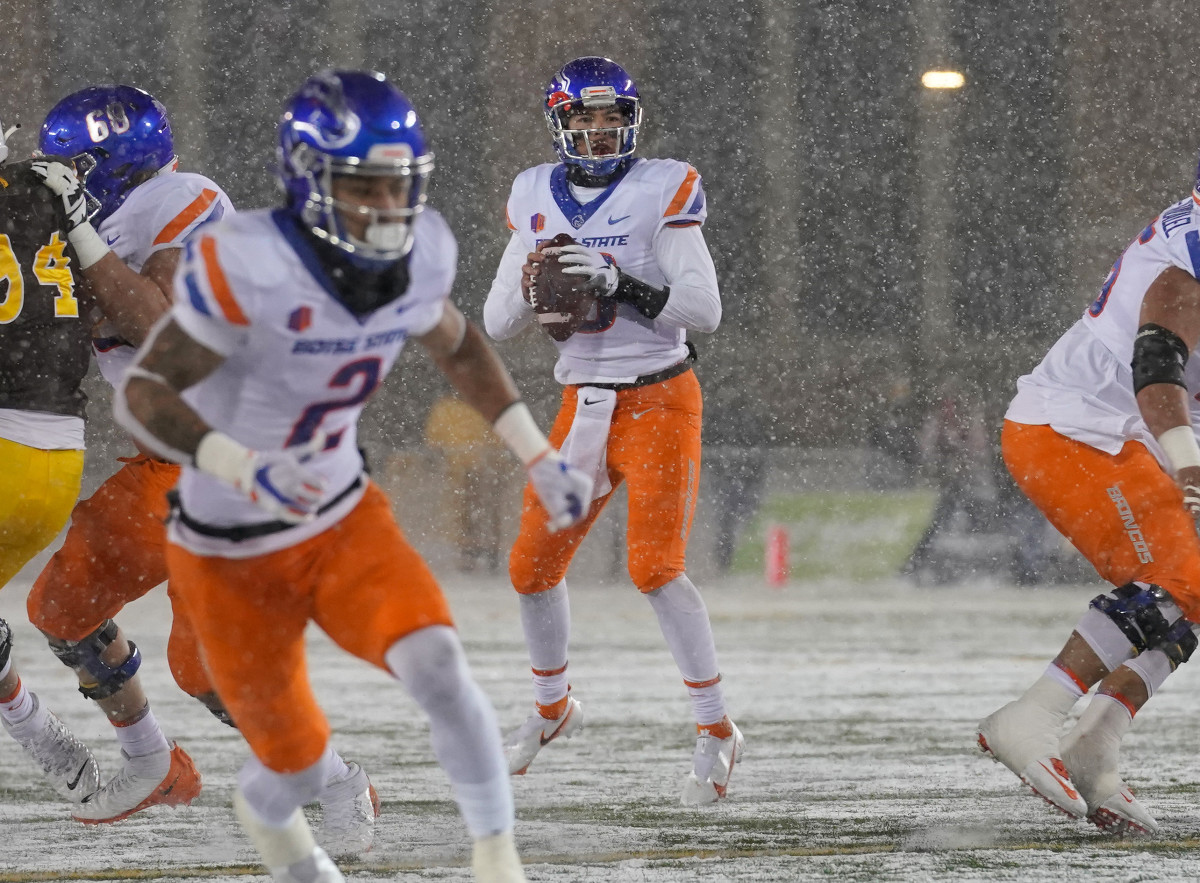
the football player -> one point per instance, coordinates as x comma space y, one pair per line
288, 321
47, 352
1101, 437
114, 551
631, 403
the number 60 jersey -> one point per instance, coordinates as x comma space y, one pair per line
297, 361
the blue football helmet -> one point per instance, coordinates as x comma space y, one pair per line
119, 137
590, 82
353, 123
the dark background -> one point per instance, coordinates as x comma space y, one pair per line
865, 230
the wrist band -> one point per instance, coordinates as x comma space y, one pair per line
1179, 444
88, 245
222, 457
516, 428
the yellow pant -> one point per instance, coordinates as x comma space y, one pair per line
37, 492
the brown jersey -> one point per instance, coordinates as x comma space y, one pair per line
45, 341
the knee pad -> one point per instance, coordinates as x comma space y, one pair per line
1149, 619
5, 645
84, 657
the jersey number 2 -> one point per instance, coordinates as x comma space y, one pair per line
306, 427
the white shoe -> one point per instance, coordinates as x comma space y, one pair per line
66, 761
495, 860
316, 868
1025, 739
523, 744
712, 764
1112, 808
1123, 814
166, 778
349, 807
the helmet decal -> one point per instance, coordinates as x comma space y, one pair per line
118, 135
353, 123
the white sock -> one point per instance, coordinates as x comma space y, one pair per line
1092, 748
463, 727
16, 708
275, 797
335, 766
683, 619
1153, 667
1054, 694
1066, 679
142, 737
546, 622
487, 807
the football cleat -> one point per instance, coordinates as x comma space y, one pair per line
1123, 814
718, 747
1112, 807
1025, 740
495, 860
349, 808
66, 761
315, 868
523, 744
168, 778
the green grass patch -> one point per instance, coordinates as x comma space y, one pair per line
856, 535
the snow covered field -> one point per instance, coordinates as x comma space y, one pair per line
858, 701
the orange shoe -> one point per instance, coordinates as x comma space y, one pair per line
166, 778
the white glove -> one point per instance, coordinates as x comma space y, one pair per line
565, 491
63, 183
278, 481
588, 262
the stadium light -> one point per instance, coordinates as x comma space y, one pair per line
943, 80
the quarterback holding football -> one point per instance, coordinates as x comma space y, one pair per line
607, 256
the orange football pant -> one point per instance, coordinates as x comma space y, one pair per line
114, 553
360, 581
654, 447
1124, 513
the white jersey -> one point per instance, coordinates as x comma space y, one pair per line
624, 222
156, 215
296, 360
1084, 386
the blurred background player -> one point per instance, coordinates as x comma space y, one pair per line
46, 355
476, 472
292, 318
1101, 438
114, 551
631, 407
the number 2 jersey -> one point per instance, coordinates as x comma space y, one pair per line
156, 215
297, 361
44, 351
1083, 388
647, 221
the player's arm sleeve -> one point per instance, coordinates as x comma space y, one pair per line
505, 312
695, 299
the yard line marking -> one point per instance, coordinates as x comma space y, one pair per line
200, 872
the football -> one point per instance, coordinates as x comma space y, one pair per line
563, 301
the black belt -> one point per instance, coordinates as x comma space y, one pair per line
648, 379
248, 531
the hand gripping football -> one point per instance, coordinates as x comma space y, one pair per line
562, 301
